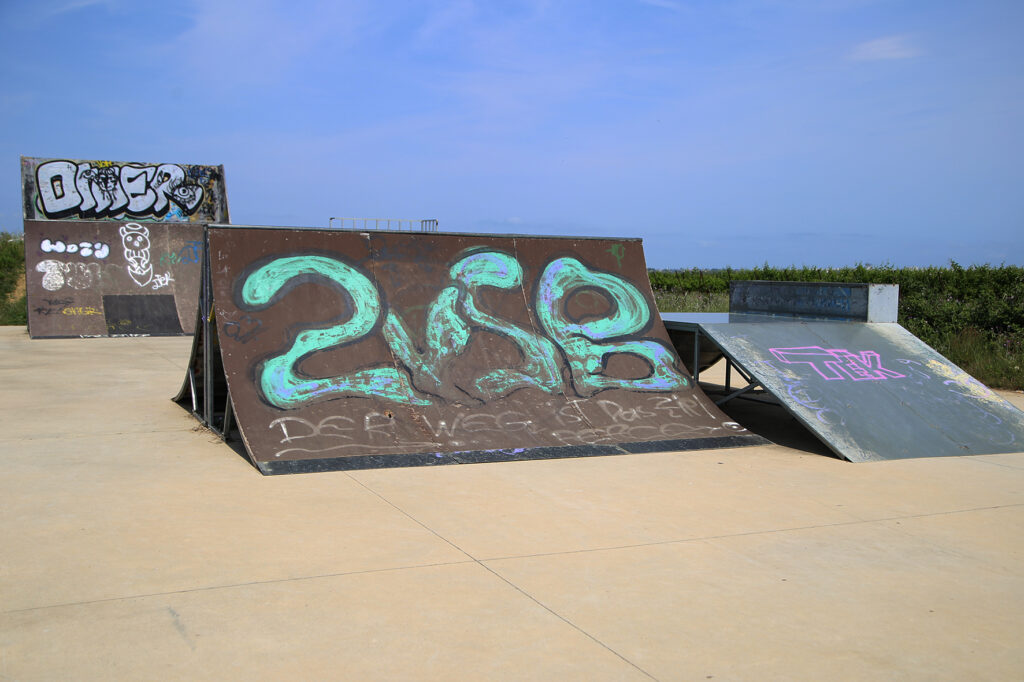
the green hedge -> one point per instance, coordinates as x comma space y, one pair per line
12, 262
980, 307
12, 268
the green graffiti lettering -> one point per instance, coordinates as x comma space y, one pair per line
587, 358
617, 250
540, 367
446, 336
421, 374
280, 382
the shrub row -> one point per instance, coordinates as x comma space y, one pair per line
942, 306
932, 300
12, 262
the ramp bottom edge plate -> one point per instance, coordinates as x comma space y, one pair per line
357, 462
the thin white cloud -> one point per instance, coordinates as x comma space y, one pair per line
73, 5
664, 4
885, 48
31, 16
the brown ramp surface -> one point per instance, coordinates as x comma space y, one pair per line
111, 278
114, 248
349, 350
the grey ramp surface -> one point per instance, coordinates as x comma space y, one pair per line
872, 391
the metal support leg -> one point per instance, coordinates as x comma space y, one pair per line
696, 356
737, 393
746, 377
229, 415
206, 302
192, 386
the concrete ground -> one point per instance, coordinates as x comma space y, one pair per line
135, 546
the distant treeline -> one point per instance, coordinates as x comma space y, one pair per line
943, 306
12, 262
940, 299
12, 269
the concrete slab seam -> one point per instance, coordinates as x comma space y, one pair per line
251, 583
564, 619
989, 462
100, 434
769, 531
505, 580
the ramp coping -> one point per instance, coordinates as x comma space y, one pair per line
424, 235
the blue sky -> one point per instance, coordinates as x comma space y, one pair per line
817, 132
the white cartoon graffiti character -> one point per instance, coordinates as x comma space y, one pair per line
135, 238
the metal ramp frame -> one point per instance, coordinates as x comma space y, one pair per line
869, 391
691, 323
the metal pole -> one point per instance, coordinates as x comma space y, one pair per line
206, 310
696, 355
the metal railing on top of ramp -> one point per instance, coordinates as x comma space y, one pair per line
399, 224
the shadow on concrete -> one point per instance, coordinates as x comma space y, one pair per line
769, 420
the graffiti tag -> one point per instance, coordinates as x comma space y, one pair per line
837, 363
93, 191
189, 253
453, 317
85, 249
160, 281
243, 330
377, 431
58, 274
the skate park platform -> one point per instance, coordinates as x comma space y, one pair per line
136, 546
114, 248
341, 349
834, 358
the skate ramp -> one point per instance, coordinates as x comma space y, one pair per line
869, 391
347, 350
115, 248
111, 278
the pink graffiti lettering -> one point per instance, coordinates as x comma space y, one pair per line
838, 363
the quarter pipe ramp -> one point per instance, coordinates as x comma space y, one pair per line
869, 391
108, 278
347, 350
114, 248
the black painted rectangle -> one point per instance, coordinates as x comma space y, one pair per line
150, 314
